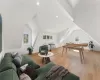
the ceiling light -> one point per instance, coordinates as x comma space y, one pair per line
56, 16
38, 3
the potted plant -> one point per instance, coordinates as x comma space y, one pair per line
30, 49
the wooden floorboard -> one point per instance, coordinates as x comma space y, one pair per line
90, 70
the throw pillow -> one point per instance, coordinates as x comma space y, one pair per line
14, 54
24, 77
23, 68
17, 60
31, 72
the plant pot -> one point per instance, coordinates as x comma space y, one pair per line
30, 52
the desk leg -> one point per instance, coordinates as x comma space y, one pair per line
62, 51
81, 56
82, 53
66, 49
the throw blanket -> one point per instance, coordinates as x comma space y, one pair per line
56, 73
24, 77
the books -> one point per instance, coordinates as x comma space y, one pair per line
23, 68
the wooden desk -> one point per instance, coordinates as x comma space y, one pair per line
79, 47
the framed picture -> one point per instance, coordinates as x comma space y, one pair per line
26, 38
44, 36
50, 37
47, 36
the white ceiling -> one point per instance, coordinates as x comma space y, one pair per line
22, 11
73, 3
47, 12
16, 9
87, 17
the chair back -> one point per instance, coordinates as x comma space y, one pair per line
43, 50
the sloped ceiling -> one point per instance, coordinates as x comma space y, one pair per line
47, 12
22, 9
17, 13
87, 17
73, 3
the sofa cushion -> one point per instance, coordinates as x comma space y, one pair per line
17, 60
70, 76
44, 70
6, 63
8, 75
27, 60
14, 54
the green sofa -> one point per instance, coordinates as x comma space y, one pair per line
43, 70
8, 70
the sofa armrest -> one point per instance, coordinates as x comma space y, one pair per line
9, 75
45, 68
7, 63
71, 76
26, 59
42, 71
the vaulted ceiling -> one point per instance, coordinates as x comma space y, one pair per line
87, 17
55, 15
73, 3
51, 15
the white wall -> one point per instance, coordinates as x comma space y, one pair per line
1, 56
15, 15
35, 29
87, 16
40, 41
63, 36
27, 30
23, 48
83, 37
32, 28
2, 53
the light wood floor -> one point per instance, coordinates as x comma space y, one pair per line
90, 70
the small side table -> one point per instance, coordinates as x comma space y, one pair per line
51, 46
46, 58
